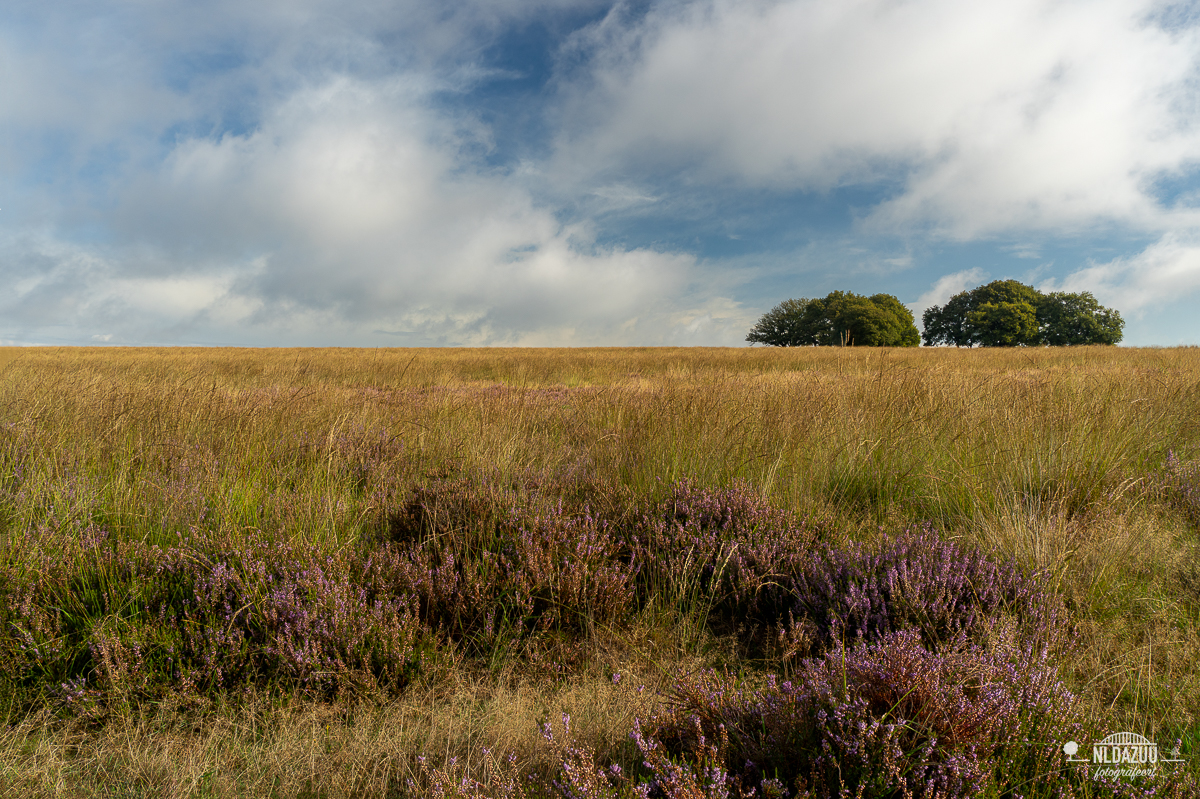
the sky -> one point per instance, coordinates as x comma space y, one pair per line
583, 172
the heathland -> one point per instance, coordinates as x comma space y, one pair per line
597, 572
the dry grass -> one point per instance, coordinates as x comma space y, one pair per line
1051, 456
297, 747
949, 435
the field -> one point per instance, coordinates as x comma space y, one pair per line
626, 572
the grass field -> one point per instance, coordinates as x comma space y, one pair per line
714, 571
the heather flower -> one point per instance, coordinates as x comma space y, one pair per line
725, 552
917, 580
889, 716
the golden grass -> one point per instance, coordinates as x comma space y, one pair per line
297, 747
1048, 455
950, 435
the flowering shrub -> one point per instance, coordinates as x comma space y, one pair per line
512, 572
886, 717
727, 551
123, 616
302, 616
477, 561
81, 607
918, 666
917, 580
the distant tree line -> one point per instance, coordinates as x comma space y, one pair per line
838, 319
1005, 313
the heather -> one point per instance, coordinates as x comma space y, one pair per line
93, 618
915, 580
592, 573
882, 718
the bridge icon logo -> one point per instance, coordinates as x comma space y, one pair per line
1121, 754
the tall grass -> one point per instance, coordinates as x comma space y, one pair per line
953, 436
571, 492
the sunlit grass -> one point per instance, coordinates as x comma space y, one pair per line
1057, 457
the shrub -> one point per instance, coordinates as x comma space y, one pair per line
94, 617
888, 717
726, 556
917, 580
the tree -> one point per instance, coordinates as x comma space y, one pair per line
1004, 324
951, 324
1066, 319
948, 324
783, 326
999, 291
838, 318
901, 331
1006, 313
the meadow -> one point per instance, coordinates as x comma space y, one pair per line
597, 572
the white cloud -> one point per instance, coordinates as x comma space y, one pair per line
619, 196
1024, 250
272, 171
945, 288
358, 215
1162, 273
996, 117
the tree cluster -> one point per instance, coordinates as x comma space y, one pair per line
840, 319
1005, 313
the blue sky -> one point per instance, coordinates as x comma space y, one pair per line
578, 172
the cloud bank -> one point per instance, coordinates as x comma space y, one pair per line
553, 173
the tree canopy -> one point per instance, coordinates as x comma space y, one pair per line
1005, 313
839, 318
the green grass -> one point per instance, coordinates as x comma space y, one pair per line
1056, 457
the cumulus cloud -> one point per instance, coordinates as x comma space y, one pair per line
352, 205
974, 122
321, 172
945, 288
1161, 273
988, 118
356, 192
292, 172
